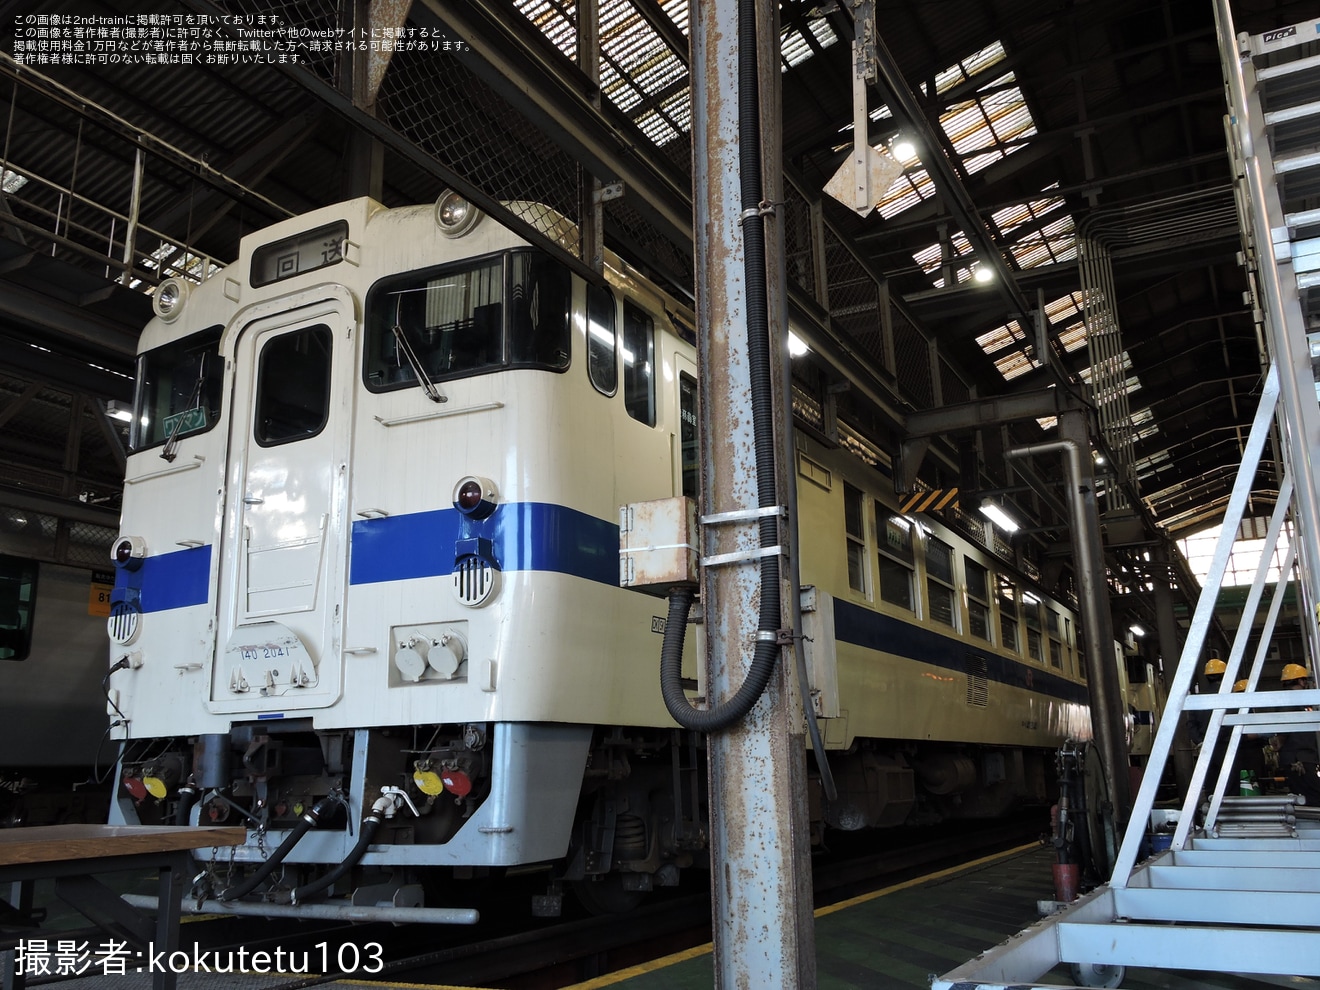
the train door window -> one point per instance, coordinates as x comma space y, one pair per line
854, 523
1006, 594
293, 386
638, 363
178, 389
1031, 617
939, 581
540, 293
602, 340
1056, 647
978, 599
18, 596
896, 560
689, 443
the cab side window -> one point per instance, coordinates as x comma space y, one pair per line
638, 363
602, 341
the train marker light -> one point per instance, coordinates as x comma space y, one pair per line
454, 215
475, 497
129, 552
168, 300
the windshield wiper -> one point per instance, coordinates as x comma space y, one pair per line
170, 450
423, 379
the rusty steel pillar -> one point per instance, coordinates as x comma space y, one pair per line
760, 866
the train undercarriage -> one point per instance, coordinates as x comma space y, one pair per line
608, 813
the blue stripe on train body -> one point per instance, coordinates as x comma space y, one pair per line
886, 634
538, 536
524, 536
165, 581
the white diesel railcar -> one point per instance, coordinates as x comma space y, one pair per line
367, 597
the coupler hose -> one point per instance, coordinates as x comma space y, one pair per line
370, 825
309, 820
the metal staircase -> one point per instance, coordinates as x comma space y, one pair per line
1238, 891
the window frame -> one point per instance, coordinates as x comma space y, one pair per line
27, 573
596, 295
647, 406
973, 601
856, 541
904, 559
949, 585
259, 391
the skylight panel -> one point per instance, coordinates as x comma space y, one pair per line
12, 182
980, 129
556, 23
1015, 365
794, 49
1000, 337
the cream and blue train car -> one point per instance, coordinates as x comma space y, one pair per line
369, 538
955, 674
366, 598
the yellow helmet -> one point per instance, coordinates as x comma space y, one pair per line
1293, 672
1240, 686
1214, 667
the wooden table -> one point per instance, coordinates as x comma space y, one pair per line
70, 854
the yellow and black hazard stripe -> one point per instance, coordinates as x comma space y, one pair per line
929, 501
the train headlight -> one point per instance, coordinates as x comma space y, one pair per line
129, 552
454, 215
475, 497
170, 295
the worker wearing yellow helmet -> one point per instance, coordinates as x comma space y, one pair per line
1298, 756
1294, 676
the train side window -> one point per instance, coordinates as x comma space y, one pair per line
602, 340
638, 363
978, 599
854, 524
540, 295
1031, 616
939, 581
1056, 647
1008, 613
896, 559
689, 442
18, 596
178, 389
293, 386
1081, 662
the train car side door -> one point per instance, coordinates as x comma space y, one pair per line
283, 565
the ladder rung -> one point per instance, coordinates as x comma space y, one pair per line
1302, 218
1299, 112
1287, 68
1294, 163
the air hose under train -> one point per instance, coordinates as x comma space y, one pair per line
306, 822
766, 654
386, 805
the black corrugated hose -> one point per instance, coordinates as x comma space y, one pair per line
308, 820
766, 654
369, 826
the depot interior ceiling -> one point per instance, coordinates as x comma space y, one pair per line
1050, 133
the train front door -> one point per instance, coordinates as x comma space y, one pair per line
285, 537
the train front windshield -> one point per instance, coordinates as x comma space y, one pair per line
470, 318
178, 389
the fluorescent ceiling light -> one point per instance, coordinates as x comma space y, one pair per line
999, 517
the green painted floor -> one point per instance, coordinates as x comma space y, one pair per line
902, 937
